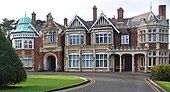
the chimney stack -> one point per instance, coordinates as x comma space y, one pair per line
33, 19
162, 12
120, 12
94, 13
65, 22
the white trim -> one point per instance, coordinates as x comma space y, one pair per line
102, 15
101, 53
86, 53
76, 17
73, 54
34, 29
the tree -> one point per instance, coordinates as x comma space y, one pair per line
11, 68
40, 22
7, 26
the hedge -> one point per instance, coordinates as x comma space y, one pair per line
161, 72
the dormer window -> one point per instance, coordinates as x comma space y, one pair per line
124, 39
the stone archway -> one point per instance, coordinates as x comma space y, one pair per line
139, 62
50, 62
127, 62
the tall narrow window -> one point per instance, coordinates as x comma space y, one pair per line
152, 35
25, 44
30, 44
18, 44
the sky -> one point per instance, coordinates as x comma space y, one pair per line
15, 9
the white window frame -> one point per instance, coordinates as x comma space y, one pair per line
124, 39
102, 62
18, 43
142, 62
152, 35
27, 61
87, 60
152, 61
103, 37
76, 39
73, 60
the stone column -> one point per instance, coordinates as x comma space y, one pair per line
108, 63
133, 63
113, 63
80, 63
94, 60
66, 60
120, 62
167, 60
145, 70
157, 60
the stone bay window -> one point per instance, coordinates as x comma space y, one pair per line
152, 35
75, 39
103, 37
73, 61
87, 60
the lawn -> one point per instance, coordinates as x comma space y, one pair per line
164, 84
41, 83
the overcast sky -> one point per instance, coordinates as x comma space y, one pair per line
15, 9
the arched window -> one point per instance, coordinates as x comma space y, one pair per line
25, 44
152, 35
30, 44
53, 36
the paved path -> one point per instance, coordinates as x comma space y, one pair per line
111, 82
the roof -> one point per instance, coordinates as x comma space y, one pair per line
133, 21
149, 16
24, 25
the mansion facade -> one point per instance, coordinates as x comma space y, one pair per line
102, 45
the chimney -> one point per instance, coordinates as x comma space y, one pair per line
94, 13
65, 22
49, 17
33, 19
162, 12
120, 14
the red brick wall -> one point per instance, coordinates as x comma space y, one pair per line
117, 39
163, 46
37, 55
88, 39
152, 45
132, 37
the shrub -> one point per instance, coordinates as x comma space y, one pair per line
161, 72
11, 68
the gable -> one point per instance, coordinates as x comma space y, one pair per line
76, 23
101, 21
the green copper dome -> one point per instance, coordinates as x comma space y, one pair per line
24, 25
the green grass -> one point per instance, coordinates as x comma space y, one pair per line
164, 84
40, 83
